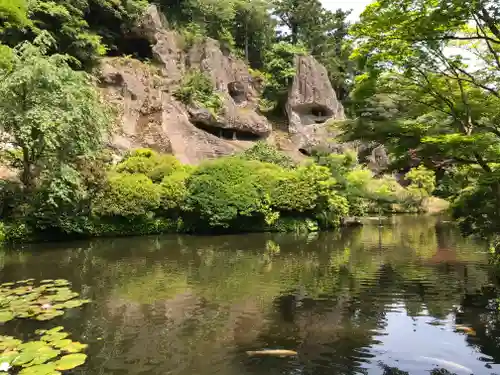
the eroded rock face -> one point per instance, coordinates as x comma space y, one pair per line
150, 117
312, 103
231, 78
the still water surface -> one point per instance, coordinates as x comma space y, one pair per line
365, 301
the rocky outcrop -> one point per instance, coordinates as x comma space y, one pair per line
231, 78
150, 115
312, 105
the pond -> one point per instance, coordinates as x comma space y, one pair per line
389, 299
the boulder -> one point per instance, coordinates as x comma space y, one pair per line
312, 104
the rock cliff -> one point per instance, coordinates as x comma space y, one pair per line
150, 115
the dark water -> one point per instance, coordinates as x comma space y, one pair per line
359, 302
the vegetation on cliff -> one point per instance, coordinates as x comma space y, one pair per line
423, 81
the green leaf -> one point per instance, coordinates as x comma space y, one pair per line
6, 316
74, 303
54, 330
48, 315
46, 369
8, 342
55, 336
70, 361
61, 282
74, 347
60, 344
43, 355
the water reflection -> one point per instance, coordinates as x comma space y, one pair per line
374, 300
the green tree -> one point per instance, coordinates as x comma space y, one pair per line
422, 182
51, 114
298, 17
421, 93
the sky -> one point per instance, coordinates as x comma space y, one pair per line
357, 6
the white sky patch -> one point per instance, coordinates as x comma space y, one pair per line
357, 6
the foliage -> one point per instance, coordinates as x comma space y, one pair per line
422, 182
267, 153
84, 30
128, 196
280, 67
2, 232
52, 113
324, 34
196, 89
174, 190
477, 207
429, 93
44, 302
225, 191
150, 163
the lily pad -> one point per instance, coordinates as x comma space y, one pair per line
71, 361
41, 357
43, 302
61, 282
74, 347
9, 343
6, 315
48, 315
56, 336
60, 344
45, 369
54, 330
74, 303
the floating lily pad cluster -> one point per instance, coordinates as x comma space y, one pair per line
23, 299
54, 352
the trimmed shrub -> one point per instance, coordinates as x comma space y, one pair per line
227, 194
129, 196
150, 163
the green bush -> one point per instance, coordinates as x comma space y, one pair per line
18, 231
309, 191
150, 163
174, 191
267, 153
422, 183
2, 232
227, 194
129, 196
197, 89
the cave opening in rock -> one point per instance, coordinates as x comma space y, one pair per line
304, 152
313, 113
228, 134
237, 91
133, 45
